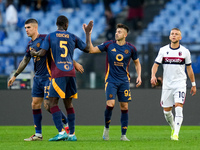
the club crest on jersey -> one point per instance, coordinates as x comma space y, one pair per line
167, 53
126, 51
38, 45
110, 95
180, 53
66, 66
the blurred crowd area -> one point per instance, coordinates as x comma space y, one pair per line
150, 22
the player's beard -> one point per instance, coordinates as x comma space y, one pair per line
118, 39
175, 42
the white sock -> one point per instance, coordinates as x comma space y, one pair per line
70, 135
66, 125
62, 132
38, 134
178, 119
169, 118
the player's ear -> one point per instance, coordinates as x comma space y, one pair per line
180, 37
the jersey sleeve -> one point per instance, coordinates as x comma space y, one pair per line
159, 58
79, 43
188, 60
103, 47
134, 53
46, 43
27, 53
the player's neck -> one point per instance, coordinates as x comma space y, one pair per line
121, 42
175, 45
60, 29
35, 36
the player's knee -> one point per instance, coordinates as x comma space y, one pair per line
167, 113
68, 103
35, 105
110, 103
178, 105
166, 109
46, 106
124, 106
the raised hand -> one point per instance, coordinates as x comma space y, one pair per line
88, 28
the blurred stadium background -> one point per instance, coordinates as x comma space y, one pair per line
160, 16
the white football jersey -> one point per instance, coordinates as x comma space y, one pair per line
173, 61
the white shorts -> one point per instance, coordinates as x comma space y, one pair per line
170, 97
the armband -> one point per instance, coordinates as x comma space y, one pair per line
16, 74
193, 84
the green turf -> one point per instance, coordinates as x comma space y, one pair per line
90, 138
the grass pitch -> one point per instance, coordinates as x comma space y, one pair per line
90, 138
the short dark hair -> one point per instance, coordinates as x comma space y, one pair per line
31, 21
176, 29
61, 21
120, 25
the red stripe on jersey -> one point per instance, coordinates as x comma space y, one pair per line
56, 73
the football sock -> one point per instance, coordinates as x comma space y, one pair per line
71, 120
169, 118
124, 121
62, 132
178, 119
107, 115
37, 118
64, 118
57, 117
38, 134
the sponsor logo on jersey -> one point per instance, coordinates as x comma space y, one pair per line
38, 44
114, 50
126, 51
173, 60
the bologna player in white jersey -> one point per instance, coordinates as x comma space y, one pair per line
174, 57
117, 79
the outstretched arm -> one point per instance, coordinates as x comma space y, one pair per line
39, 53
153, 74
88, 31
192, 79
20, 68
138, 70
78, 67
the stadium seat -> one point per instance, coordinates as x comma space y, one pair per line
5, 49
17, 41
2, 35
9, 65
19, 49
2, 65
9, 42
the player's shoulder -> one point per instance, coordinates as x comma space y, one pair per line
166, 47
183, 48
107, 43
131, 46
110, 42
42, 36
